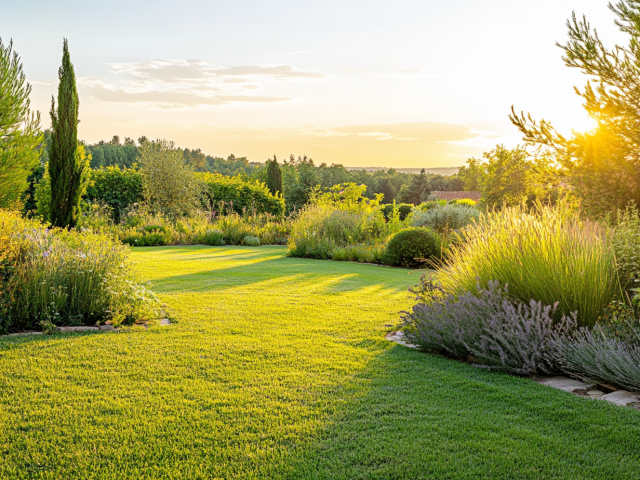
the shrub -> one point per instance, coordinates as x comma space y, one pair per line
68, 277
359, 253
445, 219
592, 354
168, 182
497, 331
214, 237
225, 194
404, 209
116, 188
547, 255
463, 201
251, 241
412, 246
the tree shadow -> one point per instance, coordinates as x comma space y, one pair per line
410, 415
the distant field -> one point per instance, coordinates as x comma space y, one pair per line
277, 368
434, 170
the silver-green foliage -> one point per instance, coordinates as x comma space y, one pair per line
445, 219
20, 133
251, 241
168, 182
626, 244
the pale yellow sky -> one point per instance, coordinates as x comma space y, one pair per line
402, 83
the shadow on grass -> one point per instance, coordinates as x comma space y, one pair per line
411, 415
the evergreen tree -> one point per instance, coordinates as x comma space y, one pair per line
274, 176
67, 169
418, 191
19, 128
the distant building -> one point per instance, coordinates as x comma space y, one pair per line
448, 196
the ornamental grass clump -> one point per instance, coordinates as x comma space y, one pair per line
546, 254
496, 330
60, 277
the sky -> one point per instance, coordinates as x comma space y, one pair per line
400, 83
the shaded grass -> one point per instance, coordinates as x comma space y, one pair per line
277, 369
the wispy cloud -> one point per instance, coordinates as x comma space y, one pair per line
190, 83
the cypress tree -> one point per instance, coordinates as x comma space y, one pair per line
67, 168
274, 176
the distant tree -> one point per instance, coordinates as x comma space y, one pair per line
168, 182
115, 140
602, 166
68, 169
418, 190
388, 189
507, 178
195, 157
274, 176
20, 134
471, 175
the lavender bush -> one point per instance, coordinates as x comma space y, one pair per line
594, 354
499, 332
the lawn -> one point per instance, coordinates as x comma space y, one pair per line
277, 368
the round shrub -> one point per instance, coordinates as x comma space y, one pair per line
411, 246
251, 241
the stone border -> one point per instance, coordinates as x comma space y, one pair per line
595, 390
101, 328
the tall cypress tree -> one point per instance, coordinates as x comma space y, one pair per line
66, 167
274, 176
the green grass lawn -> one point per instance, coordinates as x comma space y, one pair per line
277, 368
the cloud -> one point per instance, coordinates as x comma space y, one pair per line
191, 83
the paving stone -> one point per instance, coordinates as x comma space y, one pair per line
164, 322
106, 328
595, 393
563, 383
622, 397
77, 329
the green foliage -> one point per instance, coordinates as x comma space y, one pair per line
168, 183
113, 153
626, 245
42, 191
404, 210
68, 164
472, 174
418, 190
115, 187
29, 195
363, 253
274, 176
214, 237
20, 135
506, 181
412, 247
65, 277
251, 241
602, 165
548, 254
237, 194
445, 219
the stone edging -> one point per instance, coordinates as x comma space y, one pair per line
599, 391
101, 328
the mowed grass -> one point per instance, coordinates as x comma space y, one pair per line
277, 368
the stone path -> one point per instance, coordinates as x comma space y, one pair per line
600, 391
101, 328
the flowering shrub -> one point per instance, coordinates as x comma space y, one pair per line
497, 331
595, 355
68, 277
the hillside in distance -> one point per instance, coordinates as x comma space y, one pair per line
434, 170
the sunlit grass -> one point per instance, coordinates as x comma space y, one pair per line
277, 368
